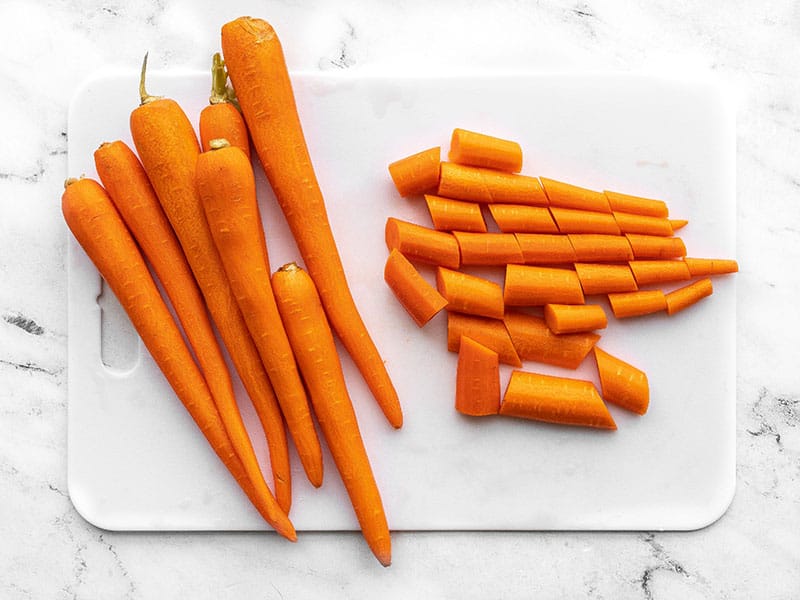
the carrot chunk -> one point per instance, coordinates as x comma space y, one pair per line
533, 340
685, 296
418, 173
422, 244
470, 294
598, 247
416, 295
644, 224
636, 304
487, 185
529, 285
605, 278
700, 267
488, 249
514, 218
545, 248
572, 220
655, 247
477, 379
622, 383
574, 318
448, 214
481, 150
492, 333
659, 271
636, 204
566, 195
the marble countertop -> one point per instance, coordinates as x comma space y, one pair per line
49, 551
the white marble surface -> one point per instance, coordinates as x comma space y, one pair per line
48, 551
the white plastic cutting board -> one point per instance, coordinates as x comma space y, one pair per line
136, 461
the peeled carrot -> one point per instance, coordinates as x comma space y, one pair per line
621, 383
422, 244
221, 119
700, 267
644, 224
168, 148
648, 272
418, 173
417, 296
488, 249
530, 285
555, 400
598, 247
545, 248
636, 204
312, 339
227, 190
519, 218
99, 229
491, 333
488, 185
448, 214
572, 220
477, 379
655, 247
566, 195
684, 297
605, 278
470, 294
637, 304
678, 224
257, 68
533, 340
574, 318
481, 150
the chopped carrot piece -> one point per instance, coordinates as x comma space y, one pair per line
488, 249
574, 318
644, 224
533, 340
416, 295
598, 247
605, 278
659, 271
477, 379
529, 285
636, 304
636, 205
418, 173
487, 185
700, 267
654, 246
545, 248
492, 333
622, 383
555, 400
422, 244
573, 220
448, 214
481, 150
684, 297
567, 195
514, 218
470, 294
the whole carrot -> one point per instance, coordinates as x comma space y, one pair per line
168, 148
221, 119
99, 229
257, 68
227, 189
312, 340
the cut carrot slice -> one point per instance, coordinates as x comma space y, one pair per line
491, 333
700, 267
684, 297
644, 224
622, 383
422, 244
567, 195
605, 278
470, 294
477, 379
572, 220
415, 294
534, 341
636, 304
514, 218
488, 249
555, 400
636, 204
487, 185
448, 214
545, 248
598, 247
659, 271
481, 150
418, 173
654, 246
574, 318
529, 285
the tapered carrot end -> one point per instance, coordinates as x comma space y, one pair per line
288, 531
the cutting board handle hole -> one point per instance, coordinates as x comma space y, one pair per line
119, 342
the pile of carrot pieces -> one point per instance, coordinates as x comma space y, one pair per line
557, 245
188, 210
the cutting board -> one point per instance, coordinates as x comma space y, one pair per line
136, 462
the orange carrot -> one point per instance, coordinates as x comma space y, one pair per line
636, 205
653, 246
644, 224
555, 400
519, 218
491, 333
566, 195
487, 185
227, 190
168, 148
572, 220
418, 297
422, 244
529, 285
700, 267
545, 248
416, 174
598, 247
221, 119
448, 214
684, 297
678, 224
636, 304
574, 318
257, 68
488, 249
605, 278
622, 383
99, 229
481, 150
477, 379
470, 294
533, 340
648, 272
312, 339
